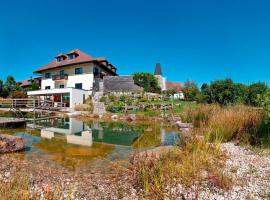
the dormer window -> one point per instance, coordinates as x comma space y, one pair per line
71, 56
59, 59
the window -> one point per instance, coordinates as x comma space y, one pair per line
96, 71
78, 70
61, 86
71, 56
59, 59
78, 86
62, 72
48, 75
47, 87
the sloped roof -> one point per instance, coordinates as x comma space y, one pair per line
120, 84
177, 86
81, 58
25, 83
28, 82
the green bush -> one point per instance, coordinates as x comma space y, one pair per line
115, 107
147, 81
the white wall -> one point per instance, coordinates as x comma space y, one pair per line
76, 97
161, 81
87, 78
47, 82
179, 95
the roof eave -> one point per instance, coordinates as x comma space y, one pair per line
78, 63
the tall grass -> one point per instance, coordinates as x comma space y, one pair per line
197, 164
200, 161
241, 123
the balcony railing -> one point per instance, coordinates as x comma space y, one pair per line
60, 77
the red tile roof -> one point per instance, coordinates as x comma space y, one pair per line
177, 86
60, 54
81, 58
28, 82
25, 83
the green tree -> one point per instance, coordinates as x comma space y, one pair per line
10, 83
224, 92
34, 86
147, 81
255, 90
191, 91
263, 100
241, 93
206, 93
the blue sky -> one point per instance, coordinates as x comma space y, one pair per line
197, 40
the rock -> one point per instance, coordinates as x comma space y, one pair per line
99, 108
114, 117
9, 143
180, 124
131, 117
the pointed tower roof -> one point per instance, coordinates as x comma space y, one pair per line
158, 69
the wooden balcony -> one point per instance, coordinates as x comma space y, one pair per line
60, 77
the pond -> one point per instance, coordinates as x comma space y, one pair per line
76, 144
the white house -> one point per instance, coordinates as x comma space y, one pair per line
72, 77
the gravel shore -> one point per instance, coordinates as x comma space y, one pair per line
250, 172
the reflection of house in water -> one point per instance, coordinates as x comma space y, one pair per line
84, 139
76, 132
67, 126
79, 133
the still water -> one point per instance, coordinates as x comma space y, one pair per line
72, 143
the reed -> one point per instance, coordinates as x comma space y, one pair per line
240, 123
192, 166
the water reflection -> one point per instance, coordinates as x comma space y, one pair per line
85, 139
80, 133
75, 131
72, 142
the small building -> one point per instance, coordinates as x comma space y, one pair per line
118, 84
72, 77
176, 88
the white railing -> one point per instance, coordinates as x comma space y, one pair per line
31, 103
